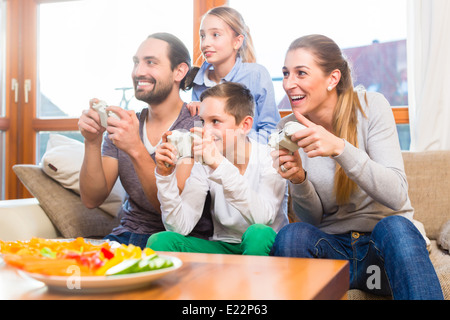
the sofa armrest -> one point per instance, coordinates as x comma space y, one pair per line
23, 219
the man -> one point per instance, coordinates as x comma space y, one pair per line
160, 67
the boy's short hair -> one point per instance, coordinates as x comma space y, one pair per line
239, 100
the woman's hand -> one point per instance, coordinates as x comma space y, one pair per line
289, 165
316, 141
165, 156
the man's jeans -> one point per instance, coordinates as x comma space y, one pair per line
393, 259
139, 240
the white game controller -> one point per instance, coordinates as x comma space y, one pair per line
182, 141
100, 107
282, 138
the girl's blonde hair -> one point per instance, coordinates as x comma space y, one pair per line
345, 117
236, 22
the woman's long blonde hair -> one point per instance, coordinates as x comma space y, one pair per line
345, 117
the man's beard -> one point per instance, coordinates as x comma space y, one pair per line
157, 95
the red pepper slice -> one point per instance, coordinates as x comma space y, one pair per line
107, 254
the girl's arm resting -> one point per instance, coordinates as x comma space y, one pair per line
181, 212
267, 114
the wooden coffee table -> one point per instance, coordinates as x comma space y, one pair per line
213, 277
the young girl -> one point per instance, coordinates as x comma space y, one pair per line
227, 47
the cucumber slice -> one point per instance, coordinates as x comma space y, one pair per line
126, 266
154, 263
149, 263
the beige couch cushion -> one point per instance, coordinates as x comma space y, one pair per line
429, 188
62, 161
64, 207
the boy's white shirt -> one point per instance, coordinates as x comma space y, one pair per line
238, 201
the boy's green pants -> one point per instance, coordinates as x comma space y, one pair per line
257, 240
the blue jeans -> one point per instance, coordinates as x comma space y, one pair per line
139, 240
391, 260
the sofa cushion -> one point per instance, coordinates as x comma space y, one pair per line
64, 207
62, 161
428, 175
444, 237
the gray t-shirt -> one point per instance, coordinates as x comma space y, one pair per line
138, 215
376, 166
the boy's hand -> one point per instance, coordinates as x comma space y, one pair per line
165, 156
205, 148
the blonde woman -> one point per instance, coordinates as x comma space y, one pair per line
347, 180
227, 47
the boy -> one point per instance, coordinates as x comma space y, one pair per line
248, 195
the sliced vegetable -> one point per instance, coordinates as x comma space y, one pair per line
126, 266
54, 257
47, 252
107, 254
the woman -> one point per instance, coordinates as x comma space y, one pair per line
347, 180
227, 47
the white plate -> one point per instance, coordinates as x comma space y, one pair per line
98, 284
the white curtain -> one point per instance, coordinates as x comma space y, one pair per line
429, 74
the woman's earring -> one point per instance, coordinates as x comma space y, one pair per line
330, 88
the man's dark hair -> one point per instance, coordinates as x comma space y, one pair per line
178, 53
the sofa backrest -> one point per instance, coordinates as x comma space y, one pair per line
428, 175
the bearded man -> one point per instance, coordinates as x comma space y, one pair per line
160, 67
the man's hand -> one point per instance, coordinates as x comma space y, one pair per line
89, 124
124, 132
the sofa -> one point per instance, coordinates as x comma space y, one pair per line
56, 210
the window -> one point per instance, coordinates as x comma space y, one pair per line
90, 53
371, 33
62, 53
